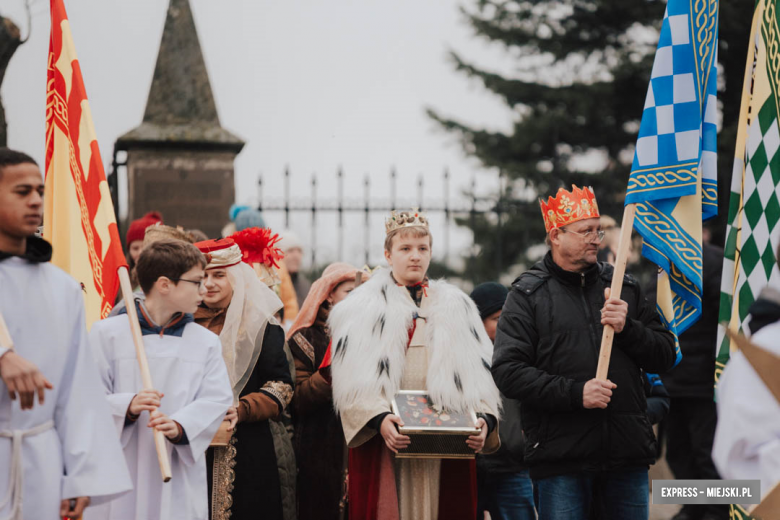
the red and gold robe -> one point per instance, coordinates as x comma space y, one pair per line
388, 344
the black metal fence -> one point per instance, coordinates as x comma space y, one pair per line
465, 205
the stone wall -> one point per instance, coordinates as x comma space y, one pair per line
192, 189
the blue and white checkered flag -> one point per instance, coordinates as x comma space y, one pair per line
674, 175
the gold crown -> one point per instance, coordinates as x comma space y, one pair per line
405, 219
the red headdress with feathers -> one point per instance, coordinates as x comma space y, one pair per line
258, 246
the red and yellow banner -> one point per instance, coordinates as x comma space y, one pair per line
78, 211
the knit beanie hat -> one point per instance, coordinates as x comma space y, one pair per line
489, 297
137, 228
235, 209
249, 218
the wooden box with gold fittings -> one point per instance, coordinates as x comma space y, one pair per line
434, 433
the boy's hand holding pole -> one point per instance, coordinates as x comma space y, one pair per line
146, 377
162, 423
148, 400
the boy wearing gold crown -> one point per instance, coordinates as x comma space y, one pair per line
588, 442
398, 331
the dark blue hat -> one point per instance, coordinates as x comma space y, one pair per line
489, 297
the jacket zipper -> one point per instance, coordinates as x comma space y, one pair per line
606, 420
589, 316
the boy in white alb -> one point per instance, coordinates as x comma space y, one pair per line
57, 448
192, 389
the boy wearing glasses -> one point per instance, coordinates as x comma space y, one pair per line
588, 442
192, 389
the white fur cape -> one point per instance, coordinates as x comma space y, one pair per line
370, 333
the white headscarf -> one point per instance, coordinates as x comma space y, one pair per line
251, 309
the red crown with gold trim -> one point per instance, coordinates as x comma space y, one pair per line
568, 207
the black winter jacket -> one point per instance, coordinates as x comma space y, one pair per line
546, 349
693, 377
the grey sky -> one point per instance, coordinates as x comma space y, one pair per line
309, 84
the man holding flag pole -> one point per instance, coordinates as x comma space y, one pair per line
570, 416
588, 441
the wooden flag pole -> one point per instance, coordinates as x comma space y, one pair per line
143, 363
617, 286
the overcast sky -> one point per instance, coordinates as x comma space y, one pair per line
310, 84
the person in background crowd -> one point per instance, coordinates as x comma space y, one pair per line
293, 258
233, 212
657, 400
765, 310
286, 292
320, 451
244, 480
196, 235
504, 488
58, 445
546, 355
248, 217
134, 239
608, 247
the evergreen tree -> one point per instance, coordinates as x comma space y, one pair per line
583, 68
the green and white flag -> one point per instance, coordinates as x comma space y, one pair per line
753, 231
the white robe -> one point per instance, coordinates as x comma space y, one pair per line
747, 439
191, 374
80, 456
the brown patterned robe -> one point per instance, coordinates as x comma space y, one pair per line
244, 478
319, 440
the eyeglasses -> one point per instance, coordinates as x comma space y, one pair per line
200, 283
589, 236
